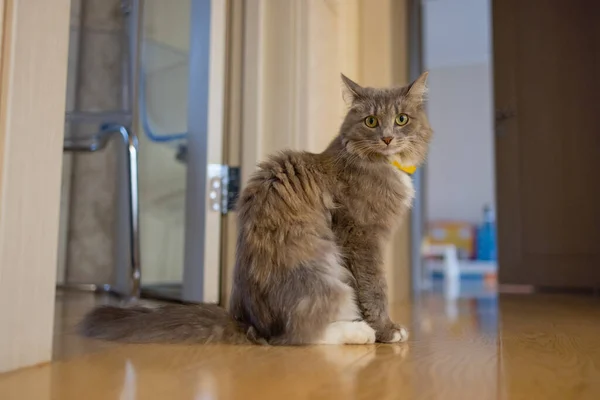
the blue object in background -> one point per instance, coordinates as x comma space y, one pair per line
486, 236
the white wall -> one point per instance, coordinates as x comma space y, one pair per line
457, 32
460, 171
457, 52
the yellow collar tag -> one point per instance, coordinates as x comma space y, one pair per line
408, 169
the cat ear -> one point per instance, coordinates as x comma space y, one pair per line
418, 89
353, 90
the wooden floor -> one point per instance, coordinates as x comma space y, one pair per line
519, 347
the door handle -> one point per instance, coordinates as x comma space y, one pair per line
505, 113
502, 115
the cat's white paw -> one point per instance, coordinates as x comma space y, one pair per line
401, 335
348, 332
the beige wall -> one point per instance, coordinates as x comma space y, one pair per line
294, 53
32, 105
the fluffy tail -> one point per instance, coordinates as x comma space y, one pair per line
203, 323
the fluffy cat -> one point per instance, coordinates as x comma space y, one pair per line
311, 232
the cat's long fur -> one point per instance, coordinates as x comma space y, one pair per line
311, 232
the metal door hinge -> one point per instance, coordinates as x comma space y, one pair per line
224, 187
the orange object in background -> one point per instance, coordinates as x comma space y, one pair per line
460, 234
490, 280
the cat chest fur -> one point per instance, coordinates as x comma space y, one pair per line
378, 198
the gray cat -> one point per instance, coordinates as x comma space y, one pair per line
311, 232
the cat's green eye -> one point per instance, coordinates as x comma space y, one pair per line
371, 121
401, 119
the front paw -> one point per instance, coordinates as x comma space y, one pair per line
392, 333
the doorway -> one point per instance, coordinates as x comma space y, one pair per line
512, 90
162, 68
182, 116
458, 181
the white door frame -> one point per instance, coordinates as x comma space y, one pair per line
206, 118
33, 64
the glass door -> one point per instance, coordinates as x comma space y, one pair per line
182, 80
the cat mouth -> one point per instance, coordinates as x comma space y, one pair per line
390, 151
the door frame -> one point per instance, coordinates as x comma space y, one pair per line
418, 214
206, 124
33, 73
232, 137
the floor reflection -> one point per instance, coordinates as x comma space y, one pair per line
474, 347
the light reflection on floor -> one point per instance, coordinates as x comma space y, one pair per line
476, 299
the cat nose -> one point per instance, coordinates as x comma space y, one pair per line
387, 140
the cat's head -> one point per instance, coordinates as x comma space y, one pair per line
382, 123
